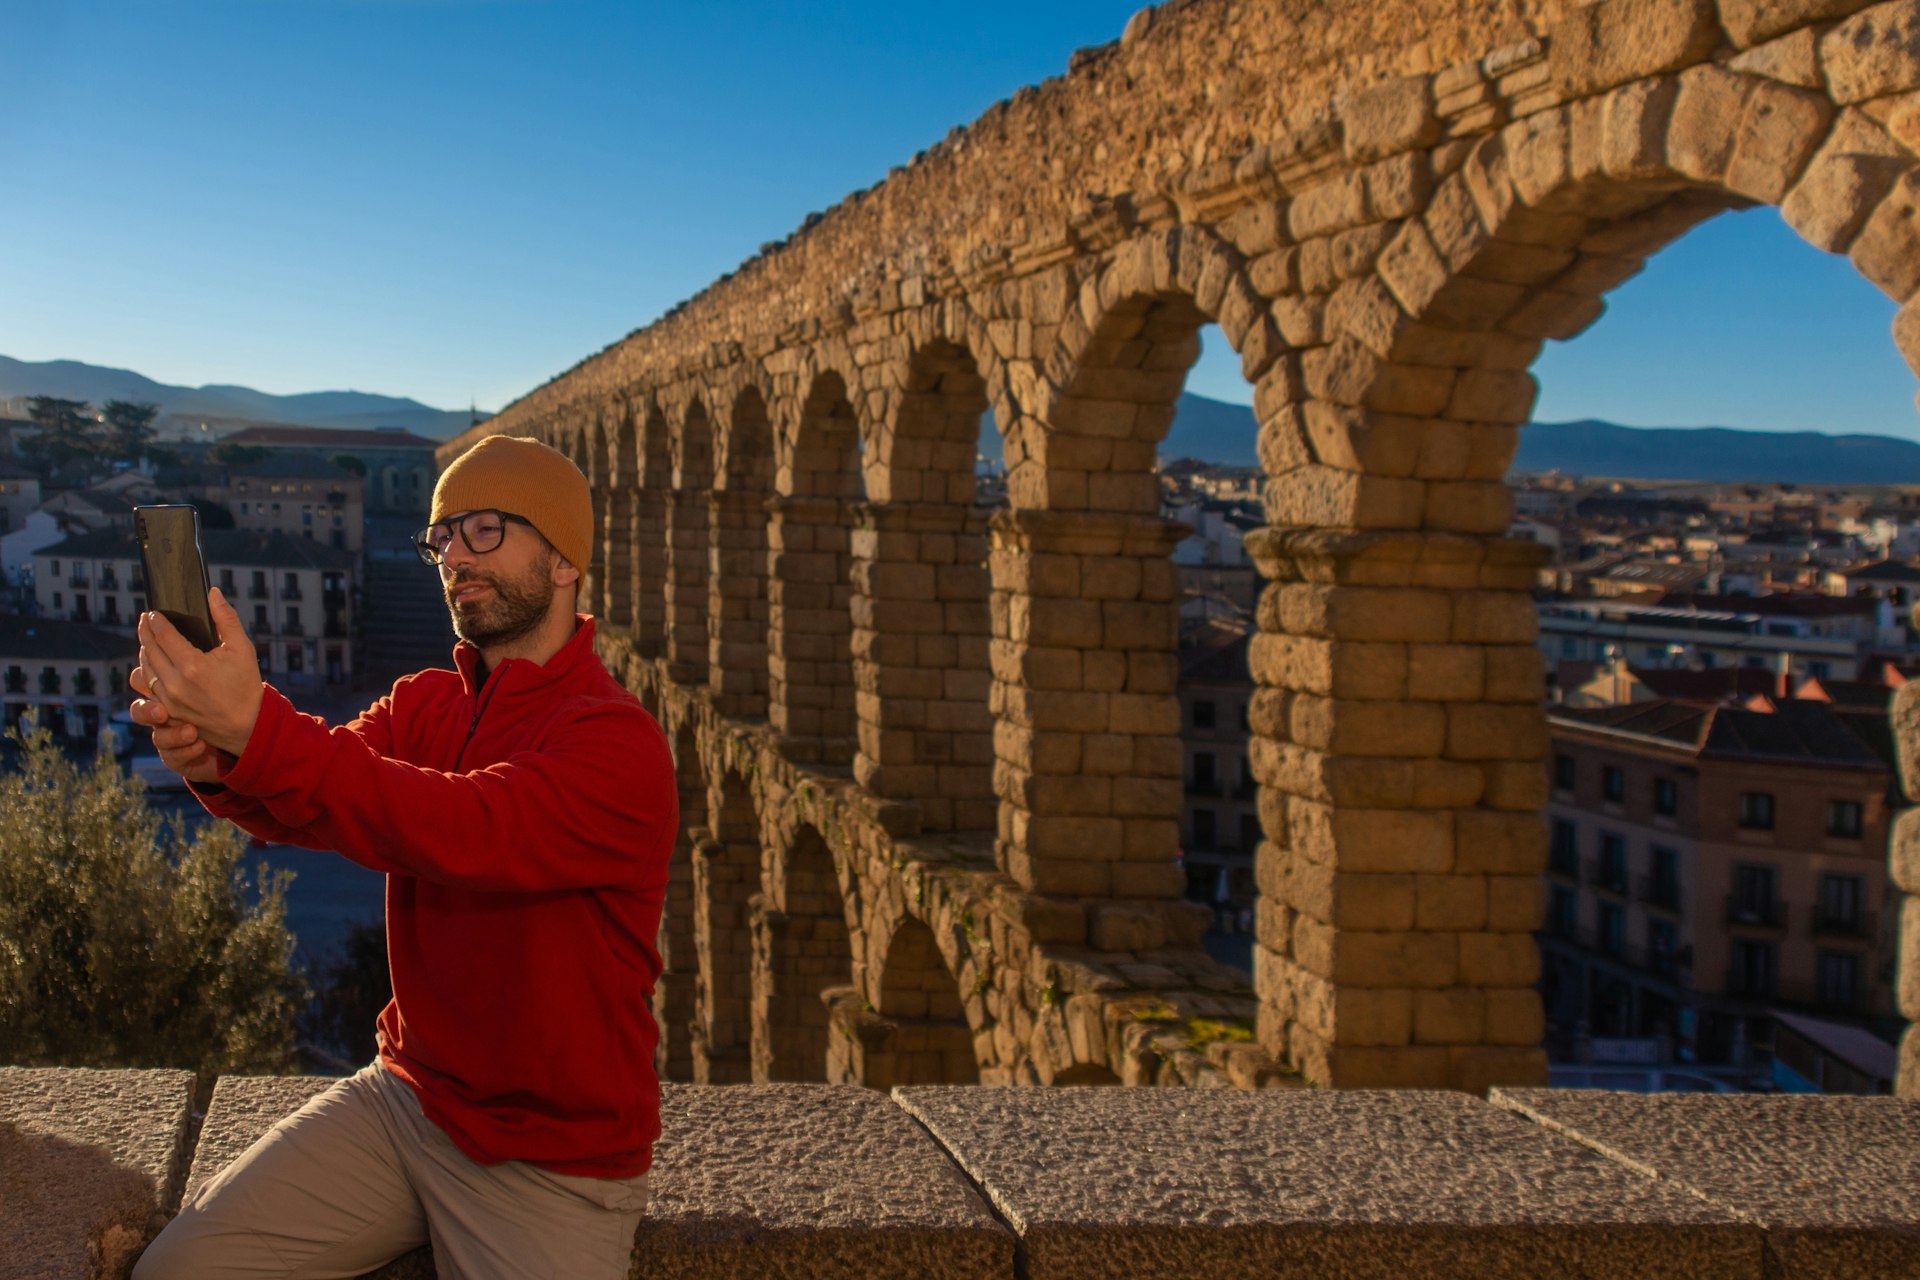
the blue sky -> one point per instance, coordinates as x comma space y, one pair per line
459, 198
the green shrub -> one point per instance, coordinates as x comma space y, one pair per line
126, 942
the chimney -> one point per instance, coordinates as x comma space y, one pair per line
1783, 679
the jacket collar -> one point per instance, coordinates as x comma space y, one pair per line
522, 674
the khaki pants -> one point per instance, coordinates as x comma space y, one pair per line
359, 1176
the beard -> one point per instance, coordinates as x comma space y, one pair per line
516, 606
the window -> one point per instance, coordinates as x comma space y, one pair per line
1250, 834
1563, 772
226, 583
1563, 856
49, 680
1839, 981
1203, 779
1843, 818
16, 680
1563, 916
56, 568
1666, 796
260, 619
1663, 943
1756, 810
1753, 897
1203, 714
1753, 968
1663, 888
293, 619
1613, 862
1613, 929
1613, 783
1244, 727
1203, 832
1840, 902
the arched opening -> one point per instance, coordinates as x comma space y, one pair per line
738, 602
676, 995
810, 668
801, 948
1087, 623
651, 495
921, 627
726, 875
688, 518
924, 1038
616, 533
592, 595
1211, 484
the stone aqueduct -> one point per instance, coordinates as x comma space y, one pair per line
929, 759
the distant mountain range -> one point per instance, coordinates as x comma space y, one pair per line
1224, 433
353, 410
1210, 430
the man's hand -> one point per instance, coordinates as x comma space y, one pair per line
217, 692
179, 745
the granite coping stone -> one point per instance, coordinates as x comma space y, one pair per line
776, 1180
91, 1162
1334, 1185
1834, 1180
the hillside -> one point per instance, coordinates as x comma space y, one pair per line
358, 410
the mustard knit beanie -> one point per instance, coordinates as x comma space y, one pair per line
527, 479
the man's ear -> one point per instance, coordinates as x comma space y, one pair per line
563, 571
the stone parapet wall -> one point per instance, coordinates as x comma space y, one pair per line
1386, 210
829, 1181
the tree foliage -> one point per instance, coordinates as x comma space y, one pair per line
129, 427
351, 987
234, 454
126, 942
67, 430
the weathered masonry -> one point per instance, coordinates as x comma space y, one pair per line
928, 751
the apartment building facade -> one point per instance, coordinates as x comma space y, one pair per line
302, 495
1709, 864
295, 594
73, 676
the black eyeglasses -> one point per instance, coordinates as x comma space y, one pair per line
482, 531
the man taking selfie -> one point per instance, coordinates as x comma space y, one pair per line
523, 809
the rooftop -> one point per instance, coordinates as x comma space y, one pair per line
309, 437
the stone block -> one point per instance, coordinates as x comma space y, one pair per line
1843, 183
1780, 129
1874, 53
1454, 1015
1701, 136
1602, 45
1748, 22
1196, 1185
1903, 851
1395, 115
1499, 959
1887, 250
1829, 1178
91, 1164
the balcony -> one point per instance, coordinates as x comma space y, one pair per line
1756, 915
1742, 985
1607, 876
78, 579
293, 630
109, 582
258, 591
290, 593
334, 629
1658, 891
334, 599
1828, 923
1209, 788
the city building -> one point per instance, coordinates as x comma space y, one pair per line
1220, 820
301, 494
1710, 864
294, 594
19, 495
73, 675
400, 465
1819, 635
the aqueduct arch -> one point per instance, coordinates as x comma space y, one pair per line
1386, 214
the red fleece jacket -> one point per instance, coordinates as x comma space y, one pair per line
524, 826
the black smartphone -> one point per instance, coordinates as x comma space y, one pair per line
176, 569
